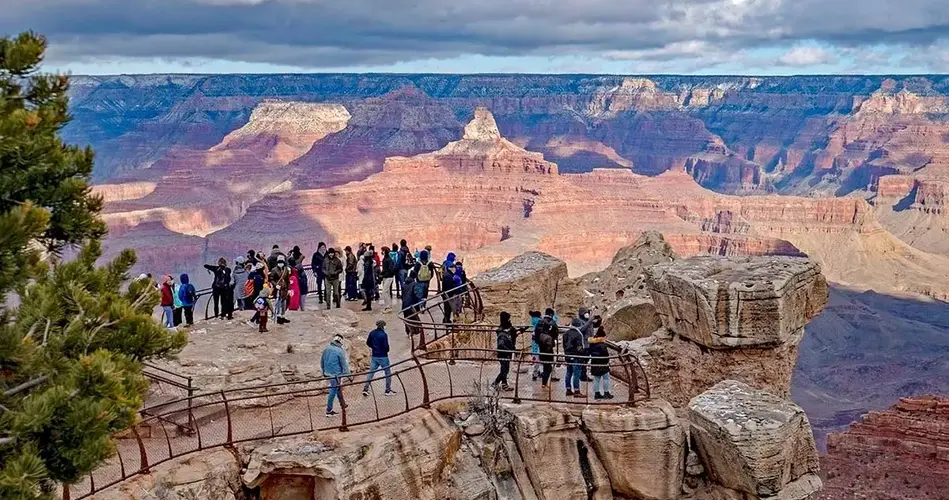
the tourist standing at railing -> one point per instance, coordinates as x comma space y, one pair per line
398, 265
545, 334
535, 349
389, 271
280, 281
332, 269
424, 272
378, 342
188, 296
251, 258
334, 366
304, 283
587, 330
176, 289
168, 300
368, 282
506, 345
275, 254
317, 263
296, 254
241, 276
449, 260
406, 263
352, 274
600, 361
575, 354
219, 284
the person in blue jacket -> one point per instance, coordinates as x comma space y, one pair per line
378, 342
334, 365
188, 297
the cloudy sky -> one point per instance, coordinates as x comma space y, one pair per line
466, 36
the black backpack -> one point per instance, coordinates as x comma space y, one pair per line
546, 335
222, 278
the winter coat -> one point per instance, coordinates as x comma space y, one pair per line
507, 340
408, 294
333, 361
280, 279
600, 356
573, 341
167, 295
547, 324
389, 265
222, 276
378, 342
241, 276
448, 283
332, 267
449, 260
177, 299
186, 293
351, 262
302, 280
274, 257
317, 264
369, 274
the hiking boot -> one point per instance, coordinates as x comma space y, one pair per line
578, 394
365, 393
597, 396
607, 396
555, 379
569, 392
506, 387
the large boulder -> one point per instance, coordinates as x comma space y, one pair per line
401, 459
642, 448
625, 277
208, 475
754, 442
631, 318
530, 281
724, 303
560, 460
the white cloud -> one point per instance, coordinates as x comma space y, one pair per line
806, 56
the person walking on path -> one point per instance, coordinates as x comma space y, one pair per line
506, 344
352, 275
378, 342
264, 307
600, 362
188, 296
334, 366
319, 276
451, 287
332, 269
168, 300
368, 281
573, 350
546, 334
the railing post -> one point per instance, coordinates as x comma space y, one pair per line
230, 425
66, 494
342, 402
143, 456
425, 395
631, 377
517, 379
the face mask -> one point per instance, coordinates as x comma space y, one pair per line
281, 264
586, 316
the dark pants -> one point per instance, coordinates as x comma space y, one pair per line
547, 362
332, 292
263, 322
367, 303
399, 281
352, 290
446, 319
176, 315
505, 369
319, 286
189, 314
217, 295
227, 303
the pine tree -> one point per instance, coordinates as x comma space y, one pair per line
72, 336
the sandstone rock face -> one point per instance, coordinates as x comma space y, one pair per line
753, 442
630, 319
211, 475
529, 282
899, 453
642, 448
727, 303
399, 461
560, 459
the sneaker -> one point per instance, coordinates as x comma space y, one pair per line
597, 396
569, 392
365, 393
578, 394
506, 387
390, 392
543, 386
534, 378
555, 379
331, 414
607, 396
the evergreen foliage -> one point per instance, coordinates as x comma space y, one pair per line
72, 335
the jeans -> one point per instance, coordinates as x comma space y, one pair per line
605, 379
535, 349
334, 393
374, 366
400, 281
352, 291
319, 286
573, 373
168, 316
280, 307
502, 374
302, 301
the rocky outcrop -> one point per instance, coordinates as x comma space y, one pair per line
560, 459
899, 453
210, 475
642, 448
742, 302
755, 443
383, 461
528, 282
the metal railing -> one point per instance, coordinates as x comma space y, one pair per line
252, 413
170, 386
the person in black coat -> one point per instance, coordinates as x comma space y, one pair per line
368, 280
317, 264
506, 345
222, 291
600, 362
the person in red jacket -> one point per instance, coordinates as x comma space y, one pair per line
168, 300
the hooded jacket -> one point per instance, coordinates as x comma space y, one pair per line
600, 356
333, 361
449, 260
167, 295
390, 265
573, 339
368, 273
506, 336
240, 278
409, 298
586, 326
186, 292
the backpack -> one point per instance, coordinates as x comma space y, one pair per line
222, 278
424, 272
260, 304
408, 260
545, 335
248, 288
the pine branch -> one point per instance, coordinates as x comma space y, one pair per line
26, 385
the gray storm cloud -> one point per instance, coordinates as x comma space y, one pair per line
319, 33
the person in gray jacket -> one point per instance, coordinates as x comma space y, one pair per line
587, 329
240, 277
334, 365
